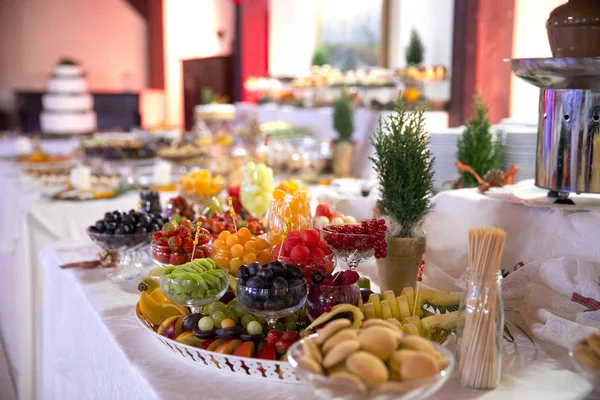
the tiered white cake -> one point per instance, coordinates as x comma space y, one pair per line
68, 106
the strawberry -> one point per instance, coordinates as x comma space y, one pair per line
268, 352
175, 242
273, 337
294, 336
187, 245
184, 232
156, 236
177, 259
283, 345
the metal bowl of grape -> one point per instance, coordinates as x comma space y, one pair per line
272, 291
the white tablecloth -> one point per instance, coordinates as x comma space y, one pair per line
95, 349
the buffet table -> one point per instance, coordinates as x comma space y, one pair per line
95, 348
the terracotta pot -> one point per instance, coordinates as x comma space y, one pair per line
574, 29
342, 159
401, 266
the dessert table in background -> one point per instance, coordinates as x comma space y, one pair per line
93, 347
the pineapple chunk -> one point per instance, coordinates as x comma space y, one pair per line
410, 329
416, 321
403, 309
369, 311
410, 296
446, 322
386, 312
395, 322
390, 296
374, 299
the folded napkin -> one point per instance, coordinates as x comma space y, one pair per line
546, 294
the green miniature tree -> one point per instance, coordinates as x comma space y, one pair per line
343, 117
415, 50
404, 168
207, 96
320, 56
476, 146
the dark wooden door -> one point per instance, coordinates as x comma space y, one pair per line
213, 72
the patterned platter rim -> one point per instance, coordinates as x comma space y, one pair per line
277, 371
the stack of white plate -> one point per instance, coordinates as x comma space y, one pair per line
518, 146
443, 147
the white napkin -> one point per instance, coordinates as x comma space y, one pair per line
543, 291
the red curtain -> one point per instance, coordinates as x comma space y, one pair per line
254, 41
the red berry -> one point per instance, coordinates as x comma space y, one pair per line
311, 238
300, 254
350, 277
203, 236
282, 345
161, 256
162, 242
177, 259
294, 234
323, 210
273, 337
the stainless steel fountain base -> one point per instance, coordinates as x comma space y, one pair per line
568, 142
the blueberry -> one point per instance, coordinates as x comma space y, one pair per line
277, 267
295, 282
111, 226
141, 229
279, 283
154, 228
293, 271
93, 229
120, 231
108, 217
100, 226
255, 282
243, 272
253, 269
265, 273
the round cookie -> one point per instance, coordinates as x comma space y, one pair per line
340, 353
337, 338
419, 344
348, 380
331, 328
418, 366
379, 341
367, 367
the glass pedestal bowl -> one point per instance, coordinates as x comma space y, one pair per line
129, 252
191, 293
272, 304
406, 390
321, 298
326, 264
162, 256
352, 248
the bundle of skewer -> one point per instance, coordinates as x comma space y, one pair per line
479, 357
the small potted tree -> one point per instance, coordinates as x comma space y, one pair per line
476, 145
404, 169
343, 123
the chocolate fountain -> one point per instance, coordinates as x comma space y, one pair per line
568, 141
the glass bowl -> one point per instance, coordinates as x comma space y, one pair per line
322, 297
413, 390
164, 257
191, 293
127, 247
272, 304
352, 248
326, 264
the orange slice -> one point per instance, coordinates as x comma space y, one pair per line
158, 296
157, 313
